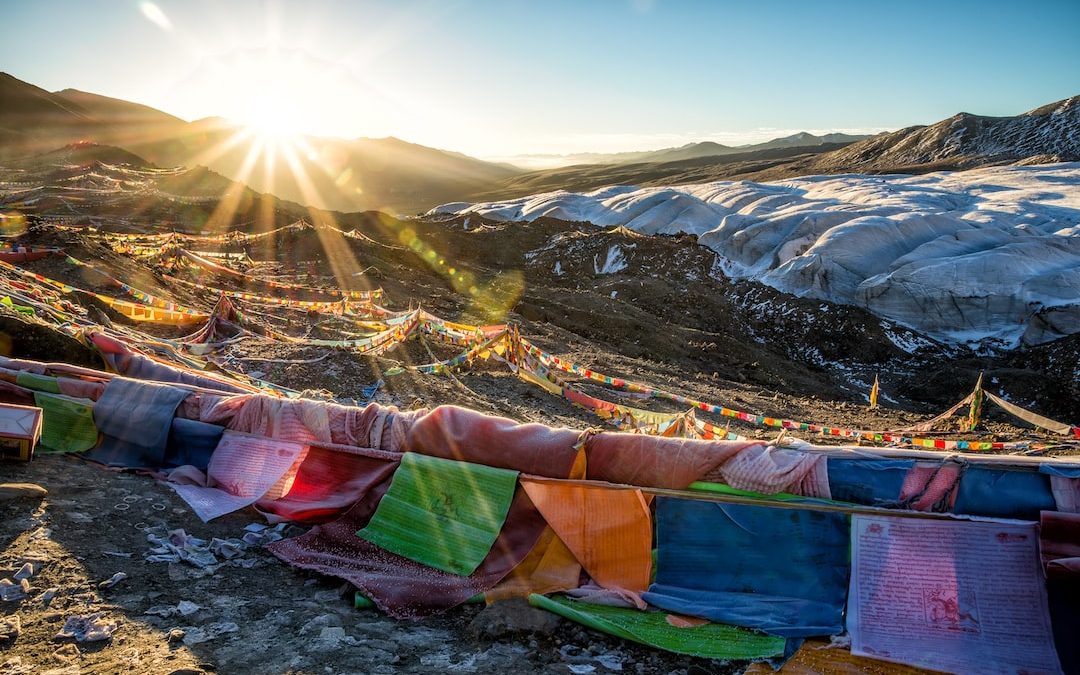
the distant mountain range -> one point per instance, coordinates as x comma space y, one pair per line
399, 177
690, 151
1047, 134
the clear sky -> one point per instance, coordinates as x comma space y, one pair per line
502, 78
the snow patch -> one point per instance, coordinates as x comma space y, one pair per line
614, 262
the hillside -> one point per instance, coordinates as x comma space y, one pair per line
592, 293
656, 309
965, 141
1050, 133
349, 175
592, 176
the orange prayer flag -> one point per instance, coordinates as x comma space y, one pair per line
609, 531
549, 566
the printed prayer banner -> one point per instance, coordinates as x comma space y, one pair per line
242, 470
950, 595
442, 513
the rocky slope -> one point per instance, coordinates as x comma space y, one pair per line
1050, 133
991, 253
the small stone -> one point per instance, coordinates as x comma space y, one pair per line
332, 634
21, 491
177, 572
68, 653
10, 627
610, 661
511, 617
186, 607
48, 595
113, 580
25, 572
164, 611
320, 622
194, 636
175, 635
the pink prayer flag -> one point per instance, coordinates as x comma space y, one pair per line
242, 470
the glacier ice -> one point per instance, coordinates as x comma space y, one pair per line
986, 253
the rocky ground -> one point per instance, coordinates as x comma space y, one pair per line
251, 614
653, 309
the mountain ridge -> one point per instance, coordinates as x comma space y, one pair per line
346, 175
1047, 134
401, 177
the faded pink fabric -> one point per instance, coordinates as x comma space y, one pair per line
769, 469
402, 588
242, 470
80, 388
816, 481
206, 407
457, 433
372, 426
288, 419
930, 484
35, 367
327, 483
612, 597
654, 461
1066, 493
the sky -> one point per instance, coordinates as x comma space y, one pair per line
498, 79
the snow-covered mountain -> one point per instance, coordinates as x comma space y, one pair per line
986, 253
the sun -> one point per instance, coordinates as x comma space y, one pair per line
273, 119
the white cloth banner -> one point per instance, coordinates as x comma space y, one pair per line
960, 596
243, 469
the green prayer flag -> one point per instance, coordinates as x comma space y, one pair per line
18, 308
442, 513
709, 641
38, 382
67, 423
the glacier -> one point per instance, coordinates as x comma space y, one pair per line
985, 255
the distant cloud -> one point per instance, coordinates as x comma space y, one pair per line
155, 15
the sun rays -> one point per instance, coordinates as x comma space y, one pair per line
274, 92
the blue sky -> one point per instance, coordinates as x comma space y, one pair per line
497, 79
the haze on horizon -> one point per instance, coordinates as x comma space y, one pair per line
499, 80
